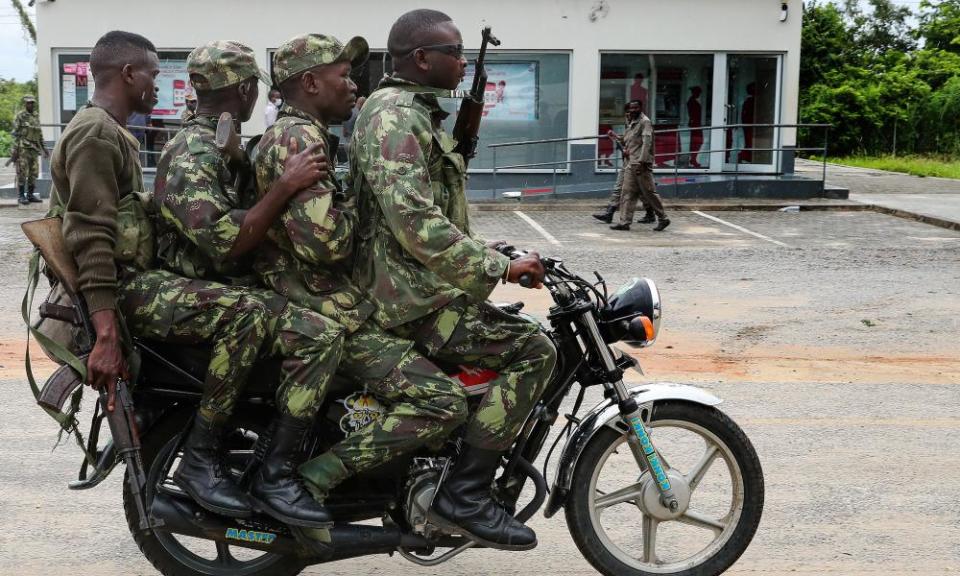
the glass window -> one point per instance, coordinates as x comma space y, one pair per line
76, 86
527, 97
676, 92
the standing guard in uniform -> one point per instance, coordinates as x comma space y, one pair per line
27, 147
638, 173
430, 277
309, 258
209, 224
613, 203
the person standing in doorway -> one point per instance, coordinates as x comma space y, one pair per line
638, 174
747, 116
274, 101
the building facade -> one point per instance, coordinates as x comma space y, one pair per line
565, 70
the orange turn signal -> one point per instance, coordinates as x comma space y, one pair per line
648, 328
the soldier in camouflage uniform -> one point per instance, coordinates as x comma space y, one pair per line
309, 260
430, 276
209, 223
27, 147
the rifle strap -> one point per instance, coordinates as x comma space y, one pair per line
67, 420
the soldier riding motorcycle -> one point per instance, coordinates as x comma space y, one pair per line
626, 473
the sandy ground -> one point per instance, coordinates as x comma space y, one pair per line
838, 354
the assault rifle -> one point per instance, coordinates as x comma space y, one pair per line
47, 236
471, 110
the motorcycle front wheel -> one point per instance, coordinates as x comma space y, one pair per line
615, 515
177, 555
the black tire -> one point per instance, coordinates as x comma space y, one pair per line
155, 447
578, 516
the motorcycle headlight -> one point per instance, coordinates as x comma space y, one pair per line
633, 313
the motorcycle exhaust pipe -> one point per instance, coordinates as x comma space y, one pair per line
183, 516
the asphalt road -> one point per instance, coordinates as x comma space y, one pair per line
831, 336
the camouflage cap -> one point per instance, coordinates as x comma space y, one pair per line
309, 50
28, 98
223, 63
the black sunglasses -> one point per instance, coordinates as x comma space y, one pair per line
455, 50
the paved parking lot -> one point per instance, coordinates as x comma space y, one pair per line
831, 336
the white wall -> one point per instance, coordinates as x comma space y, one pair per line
626, 25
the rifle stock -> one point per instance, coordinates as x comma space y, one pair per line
47, 236
470, 115
227, 140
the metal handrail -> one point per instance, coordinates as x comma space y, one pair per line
668, 131
676, 153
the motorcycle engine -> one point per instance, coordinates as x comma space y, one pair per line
424, 477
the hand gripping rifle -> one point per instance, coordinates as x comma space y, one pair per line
471, 110
47, 236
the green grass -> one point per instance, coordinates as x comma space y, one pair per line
916, 165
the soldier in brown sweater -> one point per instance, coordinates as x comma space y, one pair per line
99, 193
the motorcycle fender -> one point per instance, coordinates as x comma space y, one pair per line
607, 414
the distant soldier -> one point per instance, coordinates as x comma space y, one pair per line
638, 174
613, 203
190, 111
430, 276
309, 259
27, 147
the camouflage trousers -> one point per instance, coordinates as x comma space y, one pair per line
27, 169
422, 405
483, 336
243, 325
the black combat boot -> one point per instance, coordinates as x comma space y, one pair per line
278, 489
607, 215
621, 226
22, 195
203, 476
32, 196
648, 218
664, 222
463, 504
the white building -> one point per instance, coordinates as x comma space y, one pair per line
568, 66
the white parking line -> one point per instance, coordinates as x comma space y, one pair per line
741, 228
533, 224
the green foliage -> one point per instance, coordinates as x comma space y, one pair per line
6, 144
938, 166
862, 72
11, 93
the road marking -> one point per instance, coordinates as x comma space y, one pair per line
741, 228
533, 224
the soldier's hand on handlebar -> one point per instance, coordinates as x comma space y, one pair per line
528, 266
304, 169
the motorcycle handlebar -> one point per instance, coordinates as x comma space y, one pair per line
526, 280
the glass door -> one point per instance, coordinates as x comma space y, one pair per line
753, 97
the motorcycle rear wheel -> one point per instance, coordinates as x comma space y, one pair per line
169, 553
623, 530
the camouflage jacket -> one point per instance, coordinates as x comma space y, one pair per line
200, 211
27, 136
415, 252
309, 253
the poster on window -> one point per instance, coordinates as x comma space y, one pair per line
173, 82
511, 91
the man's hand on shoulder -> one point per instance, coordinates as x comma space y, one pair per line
302, 170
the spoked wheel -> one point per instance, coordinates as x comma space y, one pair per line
615, 515
178, 555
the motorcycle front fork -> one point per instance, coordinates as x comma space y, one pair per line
638, 438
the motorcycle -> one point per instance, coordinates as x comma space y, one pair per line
653, 479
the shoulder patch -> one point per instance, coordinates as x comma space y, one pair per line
406, 99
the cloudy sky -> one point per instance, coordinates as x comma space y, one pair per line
17, 55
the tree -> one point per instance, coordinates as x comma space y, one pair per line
825, 42
940, 25
886, 27
28, 28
